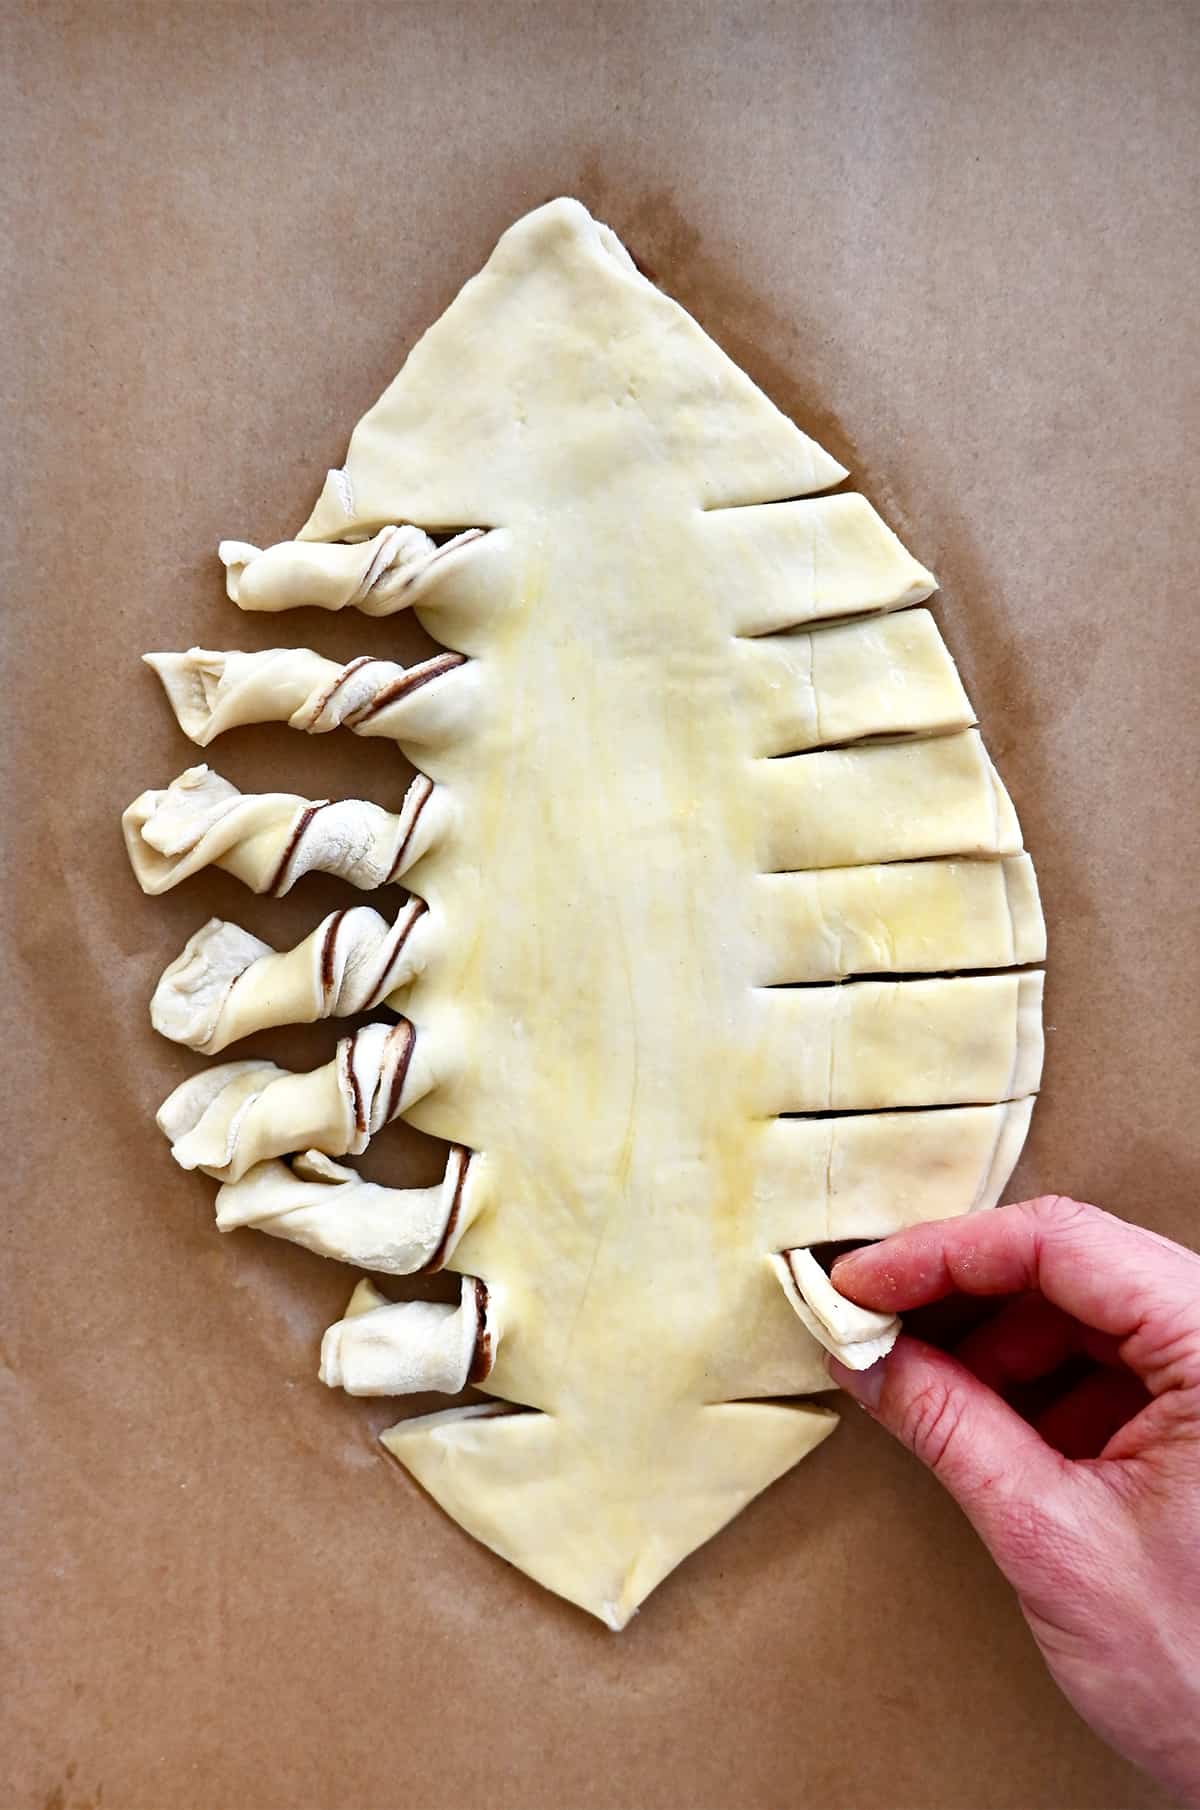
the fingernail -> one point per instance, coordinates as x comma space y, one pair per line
840, 1263
866, 1386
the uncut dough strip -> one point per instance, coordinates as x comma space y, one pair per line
236, 1114
329, 1208
873, 1044
227, 984
869, 1174
887, 675
886, 801
903, 917
269, 840
780, 564
212, 691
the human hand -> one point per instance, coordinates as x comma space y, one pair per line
1092, 1512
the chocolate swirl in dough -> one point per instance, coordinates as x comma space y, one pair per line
227, 1118
212, 691
227, 984
384, 1347
377, 576
330, 1209
268, 840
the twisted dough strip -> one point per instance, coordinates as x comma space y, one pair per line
384, 1347
240, 1113
855, 1335
378, 576
330, 1209
267, 840
227, 984
211, 692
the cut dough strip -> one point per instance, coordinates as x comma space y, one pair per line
854, 1335
902, 917
887, 801
872, 1044
211, 692
379, 576
331, 1210
869, 1174
888, 675
267, 840
228, 984
383, 1347
785, 563
237, 1114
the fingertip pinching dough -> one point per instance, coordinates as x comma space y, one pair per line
712, 939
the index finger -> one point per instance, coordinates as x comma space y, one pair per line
1118, 1278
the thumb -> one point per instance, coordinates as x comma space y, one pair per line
991, 1461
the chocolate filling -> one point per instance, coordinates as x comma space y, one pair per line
407, 837
347, 1047
322, 703
443, 1245
327, 948
400, 1074
381, 560
405, 685
484, 1356
302, 822
454, 545
392, 945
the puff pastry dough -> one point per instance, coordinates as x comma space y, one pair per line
720, 940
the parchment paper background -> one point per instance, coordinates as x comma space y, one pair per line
957, 241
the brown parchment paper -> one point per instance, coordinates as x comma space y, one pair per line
958, 242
